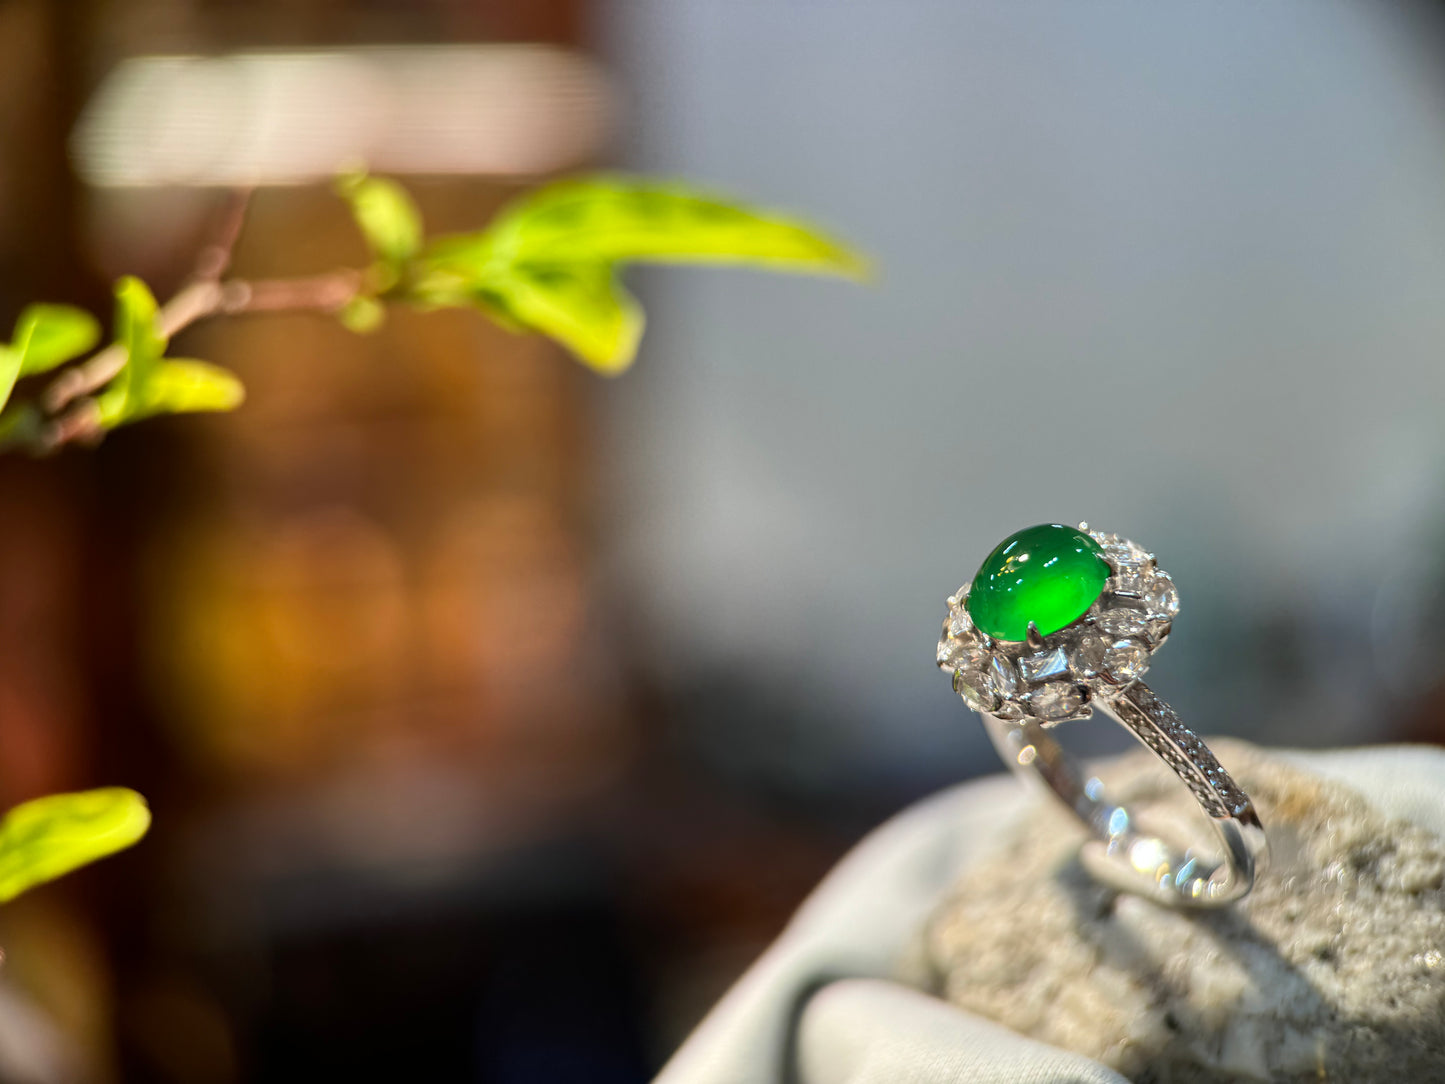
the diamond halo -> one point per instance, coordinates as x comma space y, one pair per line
1055, 678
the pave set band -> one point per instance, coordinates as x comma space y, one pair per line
1060, 622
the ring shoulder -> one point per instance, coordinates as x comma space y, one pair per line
1157, 725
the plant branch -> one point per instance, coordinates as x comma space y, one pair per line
215, 259
198, 300
67, 400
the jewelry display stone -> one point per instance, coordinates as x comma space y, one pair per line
1332, 969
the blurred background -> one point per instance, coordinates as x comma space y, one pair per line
494, 716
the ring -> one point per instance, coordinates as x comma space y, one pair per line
1060, 621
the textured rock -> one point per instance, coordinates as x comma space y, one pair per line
1332, 969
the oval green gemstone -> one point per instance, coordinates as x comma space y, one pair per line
1049, 574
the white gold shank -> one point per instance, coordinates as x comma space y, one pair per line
1119, 854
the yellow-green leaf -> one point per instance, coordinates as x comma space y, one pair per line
362, 315
45, 336
585, 308
51, 836
9, 373
50, 335
174, 386
137, 329
183, 386
386, 215
621, 219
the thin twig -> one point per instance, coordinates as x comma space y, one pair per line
215, 259
78, 425
203, 295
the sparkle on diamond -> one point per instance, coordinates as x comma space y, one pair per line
1123, 622
1162, 598
1057, 700
976, 688
1126, 660
1045, 666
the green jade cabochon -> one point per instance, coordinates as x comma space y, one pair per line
1049, 574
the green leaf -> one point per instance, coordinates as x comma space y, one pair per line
585, 308
620, 219
151, 384
173, 386
9, 372
50, 335
45, 336
137, 329
386, 215
51, 836
183, 386
362, 315
548, 262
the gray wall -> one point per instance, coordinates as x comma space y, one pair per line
1178, 269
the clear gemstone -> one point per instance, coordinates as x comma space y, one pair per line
1001, 672
1009, 709
954, 653
1089, 655
1045, 666
1130, 583
1122, 622
1162, 598
1125, 660
959, 623
1126, 556
1057, 700
976, 689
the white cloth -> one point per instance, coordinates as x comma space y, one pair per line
820, 1007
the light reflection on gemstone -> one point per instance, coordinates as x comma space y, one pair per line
1089, 654
1132, 585
1058, 700
1045, 576
1122, 622
976, 689
959, 623
1001, 672
1162, 598
955, 653
1125, 660
1009, 709
1044, 666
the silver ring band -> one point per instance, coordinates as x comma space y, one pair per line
1119, 855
